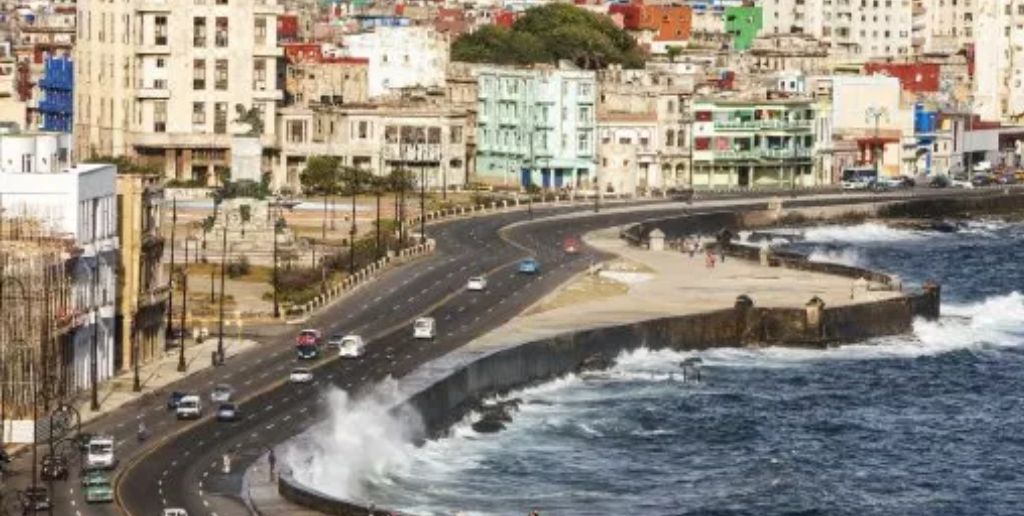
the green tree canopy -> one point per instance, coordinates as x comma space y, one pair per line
321, 175
549, 33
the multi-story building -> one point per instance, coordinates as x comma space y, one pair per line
857, 30
535, 126
327, 81
754, 143
162, 81
79, 202
947, 25
56, 105
142, 289
418, 133
401, 57
999, 63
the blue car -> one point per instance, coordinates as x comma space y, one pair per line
529, 266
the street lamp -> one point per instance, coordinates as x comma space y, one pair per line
182, 367
94, 359
223, 271
875, 114
170, 299
423, 193
278, 227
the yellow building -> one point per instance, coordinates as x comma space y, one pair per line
142, 288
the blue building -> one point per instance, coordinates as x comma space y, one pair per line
925, 136
57, 87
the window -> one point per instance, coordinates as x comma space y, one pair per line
670, 138
364, 130
703, 143
199, 32
434, 135
160, 36
221, 31
296, 130
220, 74
162, 63
261, 31
220, 117
391, 134
584, 114
199, 114
259, 74
160, 116
198, 74
583, 143
26, 163
456, 135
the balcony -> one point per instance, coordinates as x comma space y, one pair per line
776, 154
735, 155
152, 92
753, 125
424, 153
150, 49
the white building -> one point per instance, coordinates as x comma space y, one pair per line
401, 57
79, 201
999, 62
161, 80
948, 25
857, 30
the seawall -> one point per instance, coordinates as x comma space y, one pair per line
443, 391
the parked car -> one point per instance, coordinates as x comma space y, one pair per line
352, 346
529, 266
173, 399
335, 341
940, 181
301, 375
980, 180
54, 468
961, 183
221, 394
1006, 179
227, 412
35, 499
476, 284
175, 511
424, 328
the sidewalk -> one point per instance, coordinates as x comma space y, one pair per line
117, 391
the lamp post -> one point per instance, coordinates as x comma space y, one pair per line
875, 114
94, 359
278, 226
423, 196
182, 367
136, 381
223, 271
970, 127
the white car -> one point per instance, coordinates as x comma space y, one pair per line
174, 511
335, 341
424, 328
190, 407
301, 375
476, 284
352, 346
221, 394
961, 183
100, 453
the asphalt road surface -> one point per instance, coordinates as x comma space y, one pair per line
180, 464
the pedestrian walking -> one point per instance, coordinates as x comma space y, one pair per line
272, 460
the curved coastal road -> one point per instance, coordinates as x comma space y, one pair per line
181, 465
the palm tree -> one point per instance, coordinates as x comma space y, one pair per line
400, 180
320, 177
207, 226
353, 181
378, 185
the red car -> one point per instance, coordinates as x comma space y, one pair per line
571, 245
308, 338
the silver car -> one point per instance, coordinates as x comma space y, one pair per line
221, 394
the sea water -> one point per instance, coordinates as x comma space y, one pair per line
930, 423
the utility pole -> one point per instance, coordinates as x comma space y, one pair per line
354, 190
94, 360
136, 381
170, 279
223, 270
423, 201
876, 113
277, 310
182, 367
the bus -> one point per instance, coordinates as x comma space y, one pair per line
859, 178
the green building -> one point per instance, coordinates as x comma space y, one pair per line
743, 23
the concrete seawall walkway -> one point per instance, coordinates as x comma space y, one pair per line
656, 284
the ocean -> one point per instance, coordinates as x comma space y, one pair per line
930, 423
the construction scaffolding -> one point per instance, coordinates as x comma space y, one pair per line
36, 323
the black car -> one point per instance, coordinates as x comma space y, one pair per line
173, 399
35, 499
54, 468
982, 180
227, 412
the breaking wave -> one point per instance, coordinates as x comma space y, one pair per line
861, 233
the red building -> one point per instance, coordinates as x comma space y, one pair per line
451, 21
303, 52
669, 22
287, 28
913, 77
632, 14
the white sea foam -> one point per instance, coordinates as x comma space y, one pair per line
362, 439
845, 256
861, 233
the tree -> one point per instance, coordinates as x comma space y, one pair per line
353, 180
207, 226
245, 214
321, 178
378, 186
549, 33
673, 52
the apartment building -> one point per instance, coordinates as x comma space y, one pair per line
854, 29
142, 289
754, 143
162, 80
327, 81
416, 132
947, 25
999, 62
535, 126
77, 203
400, 57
